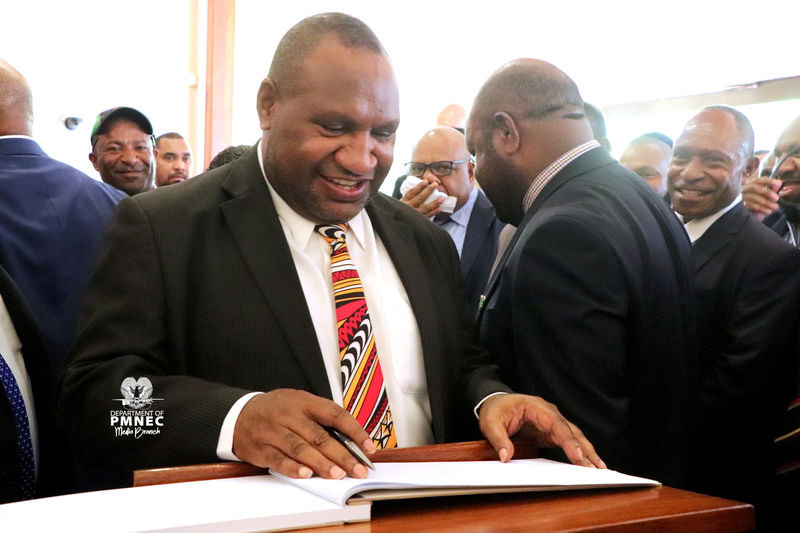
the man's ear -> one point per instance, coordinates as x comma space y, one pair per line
750, 167
505, 133
471, 172
93, 159
267, 96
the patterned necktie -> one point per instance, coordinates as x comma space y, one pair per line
362, 378
27, 470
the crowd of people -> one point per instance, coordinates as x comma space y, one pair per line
641, 314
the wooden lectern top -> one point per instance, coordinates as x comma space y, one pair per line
644, 510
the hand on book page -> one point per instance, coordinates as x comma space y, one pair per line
503, 415
285, 430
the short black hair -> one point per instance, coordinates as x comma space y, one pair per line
303, 38
225, 156
653, 136
170, 135
596, 120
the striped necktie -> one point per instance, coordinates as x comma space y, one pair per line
362, 379
22, 430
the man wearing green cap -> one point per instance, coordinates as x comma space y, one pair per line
122, 150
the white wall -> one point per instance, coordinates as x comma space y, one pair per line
84, 56
617, 51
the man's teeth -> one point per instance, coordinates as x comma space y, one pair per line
344, 183
690, 192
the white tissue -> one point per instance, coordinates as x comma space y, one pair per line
449, 204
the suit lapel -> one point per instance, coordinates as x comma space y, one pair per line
711, 243
398, 238
590, 160
480, 221
255, 227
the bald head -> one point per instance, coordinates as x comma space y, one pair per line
304, 37
16, 103
453, 115
444, 140
525, 116
530, 89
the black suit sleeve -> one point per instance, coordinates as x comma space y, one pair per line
758, 341
124, 334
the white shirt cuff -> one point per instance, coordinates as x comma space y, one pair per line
481, 403
225, 442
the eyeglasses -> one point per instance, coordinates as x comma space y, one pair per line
439, 168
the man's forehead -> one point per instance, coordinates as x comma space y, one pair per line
710, 130
648, 149
791, 135
173, 146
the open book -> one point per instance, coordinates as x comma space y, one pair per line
272, 502
426, 479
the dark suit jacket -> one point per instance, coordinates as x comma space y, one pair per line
52, 478
196, 290
592, 308
52, 217
748, 302
479, 250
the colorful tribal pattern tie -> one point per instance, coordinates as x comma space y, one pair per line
27, 472
362, 378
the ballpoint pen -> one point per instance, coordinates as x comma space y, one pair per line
352, 447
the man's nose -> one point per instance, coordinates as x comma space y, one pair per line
430, 177
128, 155
357, 156
693, 170
790, 166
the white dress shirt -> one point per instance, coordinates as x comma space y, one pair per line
396, 334
698, 226
11, 352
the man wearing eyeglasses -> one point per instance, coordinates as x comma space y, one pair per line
776, 194
441, 160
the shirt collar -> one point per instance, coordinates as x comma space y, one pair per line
461, 217
300, 228
698, 226
554, 168
16, 137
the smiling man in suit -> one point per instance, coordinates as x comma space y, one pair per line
219, 293
748, 302
441, 160
591, 304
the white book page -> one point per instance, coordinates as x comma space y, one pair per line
521, 473
243, 504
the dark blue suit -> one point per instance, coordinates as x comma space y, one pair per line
52, 217
479, 250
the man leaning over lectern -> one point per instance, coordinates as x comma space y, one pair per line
221, 288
